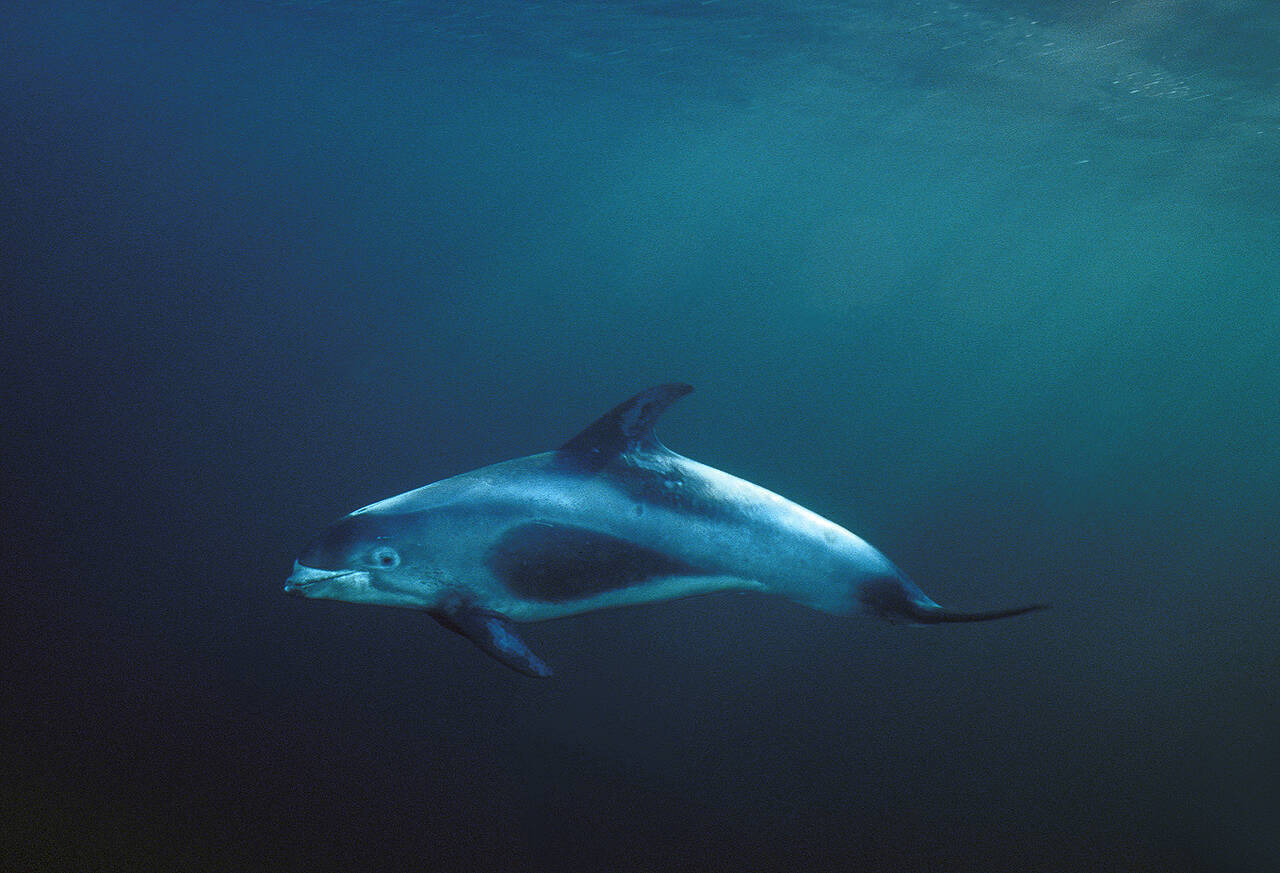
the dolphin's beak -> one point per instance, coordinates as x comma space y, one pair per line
305, 577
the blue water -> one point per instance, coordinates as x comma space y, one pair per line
994, 283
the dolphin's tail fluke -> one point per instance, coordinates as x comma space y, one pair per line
938, 615
890, 599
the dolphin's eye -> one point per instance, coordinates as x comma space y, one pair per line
384, 558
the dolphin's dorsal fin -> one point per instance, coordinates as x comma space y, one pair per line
628, 427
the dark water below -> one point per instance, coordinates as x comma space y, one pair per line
994, 284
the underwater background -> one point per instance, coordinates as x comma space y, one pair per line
993, 283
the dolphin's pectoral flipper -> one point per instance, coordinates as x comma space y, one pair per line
493, 635
628, 427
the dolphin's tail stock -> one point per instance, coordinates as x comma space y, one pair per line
893, 601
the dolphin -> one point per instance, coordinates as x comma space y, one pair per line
611, 518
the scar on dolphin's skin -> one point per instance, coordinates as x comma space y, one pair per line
611, 518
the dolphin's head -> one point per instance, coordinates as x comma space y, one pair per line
366, 558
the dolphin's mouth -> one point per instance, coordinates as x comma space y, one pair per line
305, 577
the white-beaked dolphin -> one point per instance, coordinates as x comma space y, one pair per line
612, 518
